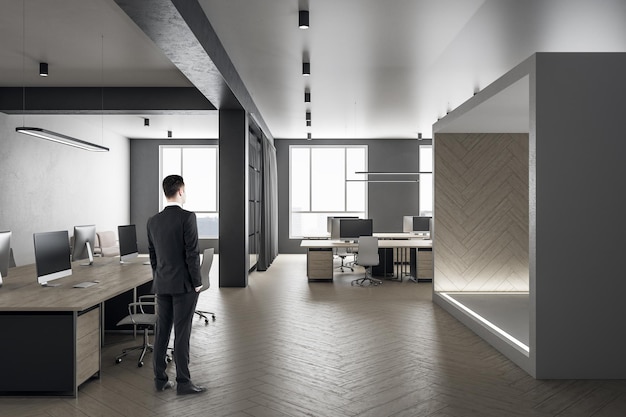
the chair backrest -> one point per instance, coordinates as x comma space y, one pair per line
106, 239
368, 251
205, 268
108, 243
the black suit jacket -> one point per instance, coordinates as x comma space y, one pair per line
173, 248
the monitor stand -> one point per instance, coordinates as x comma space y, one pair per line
89, 253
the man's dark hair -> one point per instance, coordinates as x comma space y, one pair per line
171, 185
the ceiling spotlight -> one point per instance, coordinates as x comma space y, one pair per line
308, 136
307, 96
303, 19
146, 122
308, 116
169, 133
43, 69
306, 69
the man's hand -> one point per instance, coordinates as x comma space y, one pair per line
198, 288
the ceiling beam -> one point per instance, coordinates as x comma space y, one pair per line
109, 100
180, 28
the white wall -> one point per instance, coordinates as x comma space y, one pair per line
47, 186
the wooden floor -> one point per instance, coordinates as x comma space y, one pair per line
287, 347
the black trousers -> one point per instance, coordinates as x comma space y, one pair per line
173, 310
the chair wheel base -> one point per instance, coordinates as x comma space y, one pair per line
366, 282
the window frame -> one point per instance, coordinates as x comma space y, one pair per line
345, 185
422, 210
217, 181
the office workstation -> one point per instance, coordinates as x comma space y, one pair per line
401, 254
56, 311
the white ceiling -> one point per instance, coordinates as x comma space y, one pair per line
379, 69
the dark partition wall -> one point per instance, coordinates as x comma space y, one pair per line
254, 199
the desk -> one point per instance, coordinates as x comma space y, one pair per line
51, 336
320, 255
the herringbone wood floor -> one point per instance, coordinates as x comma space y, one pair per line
286, 347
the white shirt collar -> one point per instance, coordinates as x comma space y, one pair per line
172, 203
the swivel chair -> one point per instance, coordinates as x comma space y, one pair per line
143, 315
343, 253
368, 257
205, 268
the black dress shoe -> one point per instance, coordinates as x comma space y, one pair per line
190, 388
167, 385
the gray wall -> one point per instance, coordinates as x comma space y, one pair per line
388, 202
579, 222
48, 186
145, 185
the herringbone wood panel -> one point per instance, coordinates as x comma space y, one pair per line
287, 347
481, 212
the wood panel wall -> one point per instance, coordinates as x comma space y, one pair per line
481, 212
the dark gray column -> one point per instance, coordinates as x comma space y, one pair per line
234, 262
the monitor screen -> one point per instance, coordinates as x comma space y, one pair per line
128, 242
84, 238
352, 229
52, 255
416, 224
5, 253
421, 224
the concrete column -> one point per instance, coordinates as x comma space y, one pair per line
234, 262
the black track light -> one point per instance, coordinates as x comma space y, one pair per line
303, 19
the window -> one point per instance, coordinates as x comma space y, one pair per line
198, 166
426, 180
321, 184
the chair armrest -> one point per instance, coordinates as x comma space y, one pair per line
132, 307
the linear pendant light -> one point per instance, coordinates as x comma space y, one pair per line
60, 138
391, 173
382, 180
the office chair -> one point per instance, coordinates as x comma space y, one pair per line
107, 244
343, 253
368, 257
143, 315
205, 268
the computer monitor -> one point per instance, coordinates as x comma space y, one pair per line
52, 256
334, 220
128, 242
416, 224
84, 238
5, 254
352, 229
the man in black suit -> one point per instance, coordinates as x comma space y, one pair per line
175, 260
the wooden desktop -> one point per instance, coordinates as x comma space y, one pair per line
51, 336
